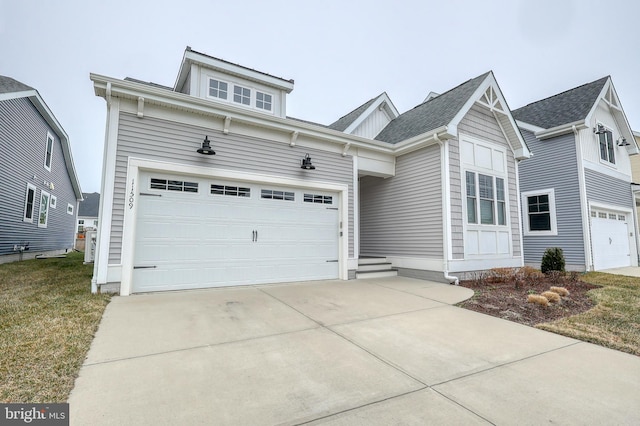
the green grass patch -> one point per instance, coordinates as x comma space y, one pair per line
48, 318
615, 320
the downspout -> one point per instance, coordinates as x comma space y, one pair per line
446, 211
584, 205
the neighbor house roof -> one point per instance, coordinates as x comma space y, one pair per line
345, 121
89, 206
13, 89
432, 114
563, 108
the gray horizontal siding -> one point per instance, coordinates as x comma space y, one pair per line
480, 123
23, 137
608, 190
554, 165
174, 142
402, 215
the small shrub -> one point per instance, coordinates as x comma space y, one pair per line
536, 298
518, 279
501, 275
479, 278
574, 276
555, 276
560, 291
551, 296
552, 260
530, 275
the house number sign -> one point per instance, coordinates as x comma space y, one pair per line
132, 195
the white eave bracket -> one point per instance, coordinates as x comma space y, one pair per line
346, 149
294, 138
227, 123
140, 107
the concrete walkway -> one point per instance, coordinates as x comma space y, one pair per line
384, 351
630, 271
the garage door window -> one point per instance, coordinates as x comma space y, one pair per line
318, 199
270, 194
174, 185
234, 191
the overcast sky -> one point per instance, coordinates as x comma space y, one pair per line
340, 53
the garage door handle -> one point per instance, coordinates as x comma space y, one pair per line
256, 236
144, 267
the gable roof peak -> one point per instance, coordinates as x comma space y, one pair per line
342, 123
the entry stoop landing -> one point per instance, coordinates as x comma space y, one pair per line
375, 267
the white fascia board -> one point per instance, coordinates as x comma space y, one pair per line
132, 90
382, 99
425, 139
239, 70
42, 107
529, 127
561, 129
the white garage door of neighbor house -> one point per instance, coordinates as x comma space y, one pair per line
610, 239
196, 233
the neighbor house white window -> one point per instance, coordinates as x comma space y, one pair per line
43, 215
48, 155
263, 101
607, 146
539, 212
80, 225
218, 89
242, 95
29, 202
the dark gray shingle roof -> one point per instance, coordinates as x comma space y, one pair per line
342, 123
148, 83
10, 85
89, 206
563, 108
430, 115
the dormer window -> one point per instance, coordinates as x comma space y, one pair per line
218, 89
263, 101
241, 95
607, 146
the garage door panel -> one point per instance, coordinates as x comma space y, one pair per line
196, 240
610, 241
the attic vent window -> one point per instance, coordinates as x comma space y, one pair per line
241, 95
263, 101
218, 89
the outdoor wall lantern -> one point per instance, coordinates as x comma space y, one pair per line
599, 130
306, 163
622, 141
206, 147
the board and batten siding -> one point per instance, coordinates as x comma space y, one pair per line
402, 215
554, 165
606, 189
373, 124
173, 142
481, 124
23, 138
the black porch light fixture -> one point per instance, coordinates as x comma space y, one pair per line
306, 163
206, 147
599, 130
622, 141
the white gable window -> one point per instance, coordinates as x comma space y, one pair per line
242, 95
29, 202
43, 216
48, 155
607, 146
263, 101
218, 89
539, 211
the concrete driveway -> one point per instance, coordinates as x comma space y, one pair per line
383, 351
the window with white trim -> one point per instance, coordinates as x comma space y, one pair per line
43, 214
218, 89
70, 209
489, 191
80, 225
48, 155
54, 201
29, 202
539, 211
242, 95
263, 101
607, 146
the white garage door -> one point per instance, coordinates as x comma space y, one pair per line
196, 233
610, 239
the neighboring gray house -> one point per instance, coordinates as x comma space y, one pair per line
576, 189
88, 212
434, 190
40, 189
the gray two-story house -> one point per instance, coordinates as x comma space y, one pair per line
576, 189
40, 189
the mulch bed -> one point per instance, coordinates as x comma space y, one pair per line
505, 301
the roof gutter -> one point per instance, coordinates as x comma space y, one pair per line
423, 140
561, 130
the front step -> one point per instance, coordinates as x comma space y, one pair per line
375, 267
